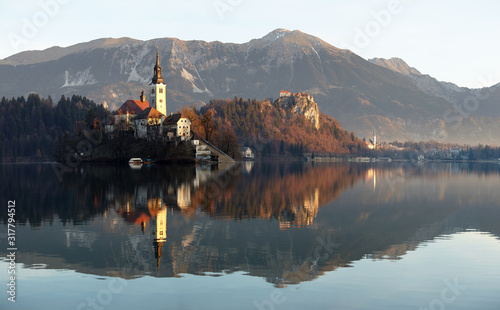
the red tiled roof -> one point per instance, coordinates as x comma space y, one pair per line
285, 92
132, 107
142, 218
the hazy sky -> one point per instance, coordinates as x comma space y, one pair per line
455, 41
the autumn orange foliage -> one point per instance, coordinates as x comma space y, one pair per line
262, 125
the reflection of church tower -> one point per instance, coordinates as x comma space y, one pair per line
371, 174
159, 233
159, 89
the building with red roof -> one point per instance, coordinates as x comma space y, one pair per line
285, 93
124, 116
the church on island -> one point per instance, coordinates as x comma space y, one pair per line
150, 121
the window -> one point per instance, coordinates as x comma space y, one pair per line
161, 91
153, 91
161, 100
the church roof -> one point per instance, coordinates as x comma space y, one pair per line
149, 113
132, 107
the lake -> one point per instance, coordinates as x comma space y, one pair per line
253, 236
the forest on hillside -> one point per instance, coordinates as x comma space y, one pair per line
30, 127
269, 130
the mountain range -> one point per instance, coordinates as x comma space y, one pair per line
385, 96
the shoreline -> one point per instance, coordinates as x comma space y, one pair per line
266, 160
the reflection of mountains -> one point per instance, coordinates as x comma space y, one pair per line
389, 210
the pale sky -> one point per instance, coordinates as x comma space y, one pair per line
451, 40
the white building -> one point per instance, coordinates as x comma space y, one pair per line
247, 153
285, 93
148, 124
177, 127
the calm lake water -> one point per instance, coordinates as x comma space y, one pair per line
254, 236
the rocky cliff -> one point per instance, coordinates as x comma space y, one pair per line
302, 104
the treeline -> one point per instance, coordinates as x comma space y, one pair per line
269, 130
481, 152
439, 150
29, 128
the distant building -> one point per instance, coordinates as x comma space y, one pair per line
247, 153
177, 127
202, 150
150, 120
372, 143
285, 93
124, 116
454, 153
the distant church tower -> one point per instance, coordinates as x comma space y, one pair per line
374, 140
159, 89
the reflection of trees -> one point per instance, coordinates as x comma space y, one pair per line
288, 192
88, 191
115, 204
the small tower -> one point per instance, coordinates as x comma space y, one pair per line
159, 89
374, 140
143, 97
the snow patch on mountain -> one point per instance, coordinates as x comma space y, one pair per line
136, 77
144, 74
188, 76
81, 78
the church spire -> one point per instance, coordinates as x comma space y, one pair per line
158, 253
157, 79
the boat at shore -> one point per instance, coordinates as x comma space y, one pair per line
135, 163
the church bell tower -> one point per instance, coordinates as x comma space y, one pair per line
159, 89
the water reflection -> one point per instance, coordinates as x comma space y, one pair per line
287, 223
